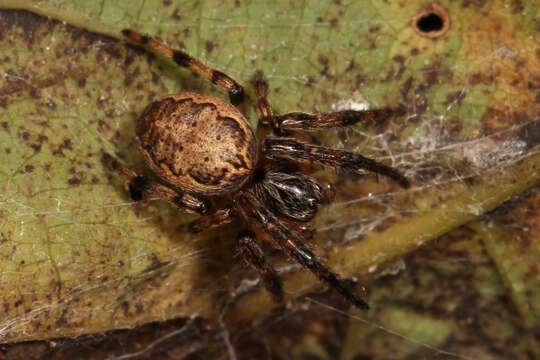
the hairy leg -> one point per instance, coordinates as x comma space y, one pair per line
236, 91
296, 121
266, 116
141, 187
256, 213
254, 257
289, 149
300, 121
220, 217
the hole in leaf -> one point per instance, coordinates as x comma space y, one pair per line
431, 22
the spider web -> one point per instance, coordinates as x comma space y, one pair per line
77, 258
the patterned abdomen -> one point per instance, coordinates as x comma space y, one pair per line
197, 143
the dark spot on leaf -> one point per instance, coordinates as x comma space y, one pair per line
323, 60
469, 180
210, 46
432, 74
35, 92
517, 6
28, 21
401, 61
29, 168
351, 66
74, 181
155, 78
131, 75
113, 49
103, 126
406, 87
66, 145
125, 307
130, 58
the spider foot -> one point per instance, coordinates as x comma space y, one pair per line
254, 257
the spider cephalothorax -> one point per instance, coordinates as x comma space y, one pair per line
205, 158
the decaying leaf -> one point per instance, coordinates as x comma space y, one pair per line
78, 257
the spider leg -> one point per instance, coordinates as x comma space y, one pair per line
289, 149
254, 257
306, 231
141, 187
266, 116
296, 121
220, 217
236, 91
256, 213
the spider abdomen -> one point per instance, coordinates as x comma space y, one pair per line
198, 143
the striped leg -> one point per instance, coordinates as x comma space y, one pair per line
299, 121
236, 91
141, 187
255, 212
254, 257
289, 149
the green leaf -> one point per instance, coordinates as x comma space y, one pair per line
79, 257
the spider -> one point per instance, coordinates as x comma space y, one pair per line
204, 157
